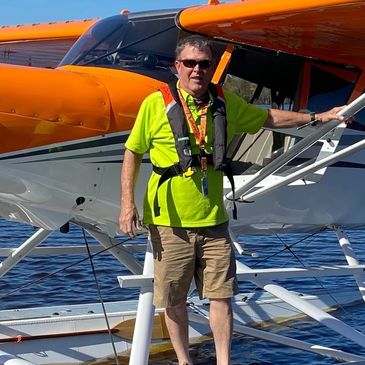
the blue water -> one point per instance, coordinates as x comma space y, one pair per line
40, 287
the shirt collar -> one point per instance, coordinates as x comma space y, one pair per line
188, 98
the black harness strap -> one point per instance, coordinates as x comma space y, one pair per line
180, 131
169, 172
228, 172
166, 174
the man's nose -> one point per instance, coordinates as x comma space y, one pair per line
197, 67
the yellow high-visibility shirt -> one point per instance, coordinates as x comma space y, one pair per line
180, 198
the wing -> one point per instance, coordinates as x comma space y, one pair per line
332, 30
40, 45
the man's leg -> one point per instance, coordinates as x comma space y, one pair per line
174, 262
220, 320
216, 280
177, 323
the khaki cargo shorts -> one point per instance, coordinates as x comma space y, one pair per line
183, 253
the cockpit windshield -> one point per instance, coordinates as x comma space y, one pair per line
140, 43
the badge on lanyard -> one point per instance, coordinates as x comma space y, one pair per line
204, 179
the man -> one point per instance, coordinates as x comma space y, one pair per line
184, 201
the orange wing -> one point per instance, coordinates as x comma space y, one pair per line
332, 30
40, 45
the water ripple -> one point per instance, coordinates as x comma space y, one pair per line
76, 285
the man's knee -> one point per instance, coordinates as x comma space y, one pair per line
224, 305
177, 310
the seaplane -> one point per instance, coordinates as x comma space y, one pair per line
70, 94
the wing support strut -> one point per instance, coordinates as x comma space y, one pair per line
7, 359
351, 258
23, 250
349, 111
263, 278
305, 307
301, 173
282, 340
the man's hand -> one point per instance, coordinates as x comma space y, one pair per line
129, 221
331, 114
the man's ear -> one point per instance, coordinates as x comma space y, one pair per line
177, 66
173, 69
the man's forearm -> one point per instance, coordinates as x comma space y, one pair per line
278, 118
128, 217
129, 175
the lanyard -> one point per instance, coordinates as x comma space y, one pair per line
198, 134
199, 138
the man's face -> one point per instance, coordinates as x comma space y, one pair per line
195, 68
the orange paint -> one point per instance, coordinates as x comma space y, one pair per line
69, 29
45, 106
332, 30
42, 106
359, 88
223, 64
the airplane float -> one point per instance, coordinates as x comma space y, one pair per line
70, 94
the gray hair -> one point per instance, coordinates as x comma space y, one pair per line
197, 41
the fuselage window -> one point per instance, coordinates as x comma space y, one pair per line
329, 87
141, 44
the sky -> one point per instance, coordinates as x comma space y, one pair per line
13, 12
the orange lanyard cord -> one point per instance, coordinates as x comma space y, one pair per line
198, 134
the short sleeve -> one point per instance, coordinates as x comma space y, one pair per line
139, 140
242, 116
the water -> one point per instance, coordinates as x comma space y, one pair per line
76, 285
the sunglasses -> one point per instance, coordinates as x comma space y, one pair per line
203, 64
